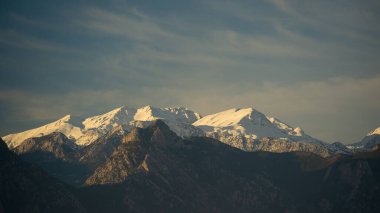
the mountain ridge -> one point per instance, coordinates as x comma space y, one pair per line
369, 142
125, 115
244, 128
202, 174
152, 169
26, 188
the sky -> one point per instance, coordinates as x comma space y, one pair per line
313, 64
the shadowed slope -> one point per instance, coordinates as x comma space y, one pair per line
154, 170
26, 188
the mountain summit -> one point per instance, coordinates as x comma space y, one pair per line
85, 131
252, 124
374, 132
245, 128
370, 141
152, 169
68, 125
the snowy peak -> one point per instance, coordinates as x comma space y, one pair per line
374, 132
369, 142
86, 131
250, 123
230, 117
66, 125
149, 113
179, 119
174, 114
285, 127
184, 114
238, 127
110, 119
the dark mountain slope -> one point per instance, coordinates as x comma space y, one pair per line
56, 144
63, 159
99, 151
153, 166
368, 142
57, 155
26, 188
153, 170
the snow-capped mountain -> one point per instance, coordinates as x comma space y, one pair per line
110, 119
246, 129
251, 123
124, 115
68, 125
241, 128
374, 132
178, 114
86, 131
369, 141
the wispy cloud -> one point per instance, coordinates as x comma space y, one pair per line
137, 26
132, 24
349, 19
297, 60
333, 103
334, 109
20, 40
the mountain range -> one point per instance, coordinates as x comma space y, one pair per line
175, 160
368, 142
152, 169
246, 129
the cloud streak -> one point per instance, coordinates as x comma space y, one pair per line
332, 103
300, 61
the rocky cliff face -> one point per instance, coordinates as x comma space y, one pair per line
55, 143
125, 160
57, 155
272, 145
155, 166
153, 170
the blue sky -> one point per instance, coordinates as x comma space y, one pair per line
314, 64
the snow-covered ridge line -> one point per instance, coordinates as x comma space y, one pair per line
369, 142
64, 125
248, 123
244, 128
374, 132
85, 131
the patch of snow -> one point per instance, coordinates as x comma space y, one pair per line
251, 124
86, 131
110, 119
374, 132
65, 125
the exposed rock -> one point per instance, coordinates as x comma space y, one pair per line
155, 166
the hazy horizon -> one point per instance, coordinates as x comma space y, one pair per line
311, 64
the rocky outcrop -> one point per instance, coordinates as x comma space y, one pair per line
124, 161
272, 145
154, 170
55, 143
57, 155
